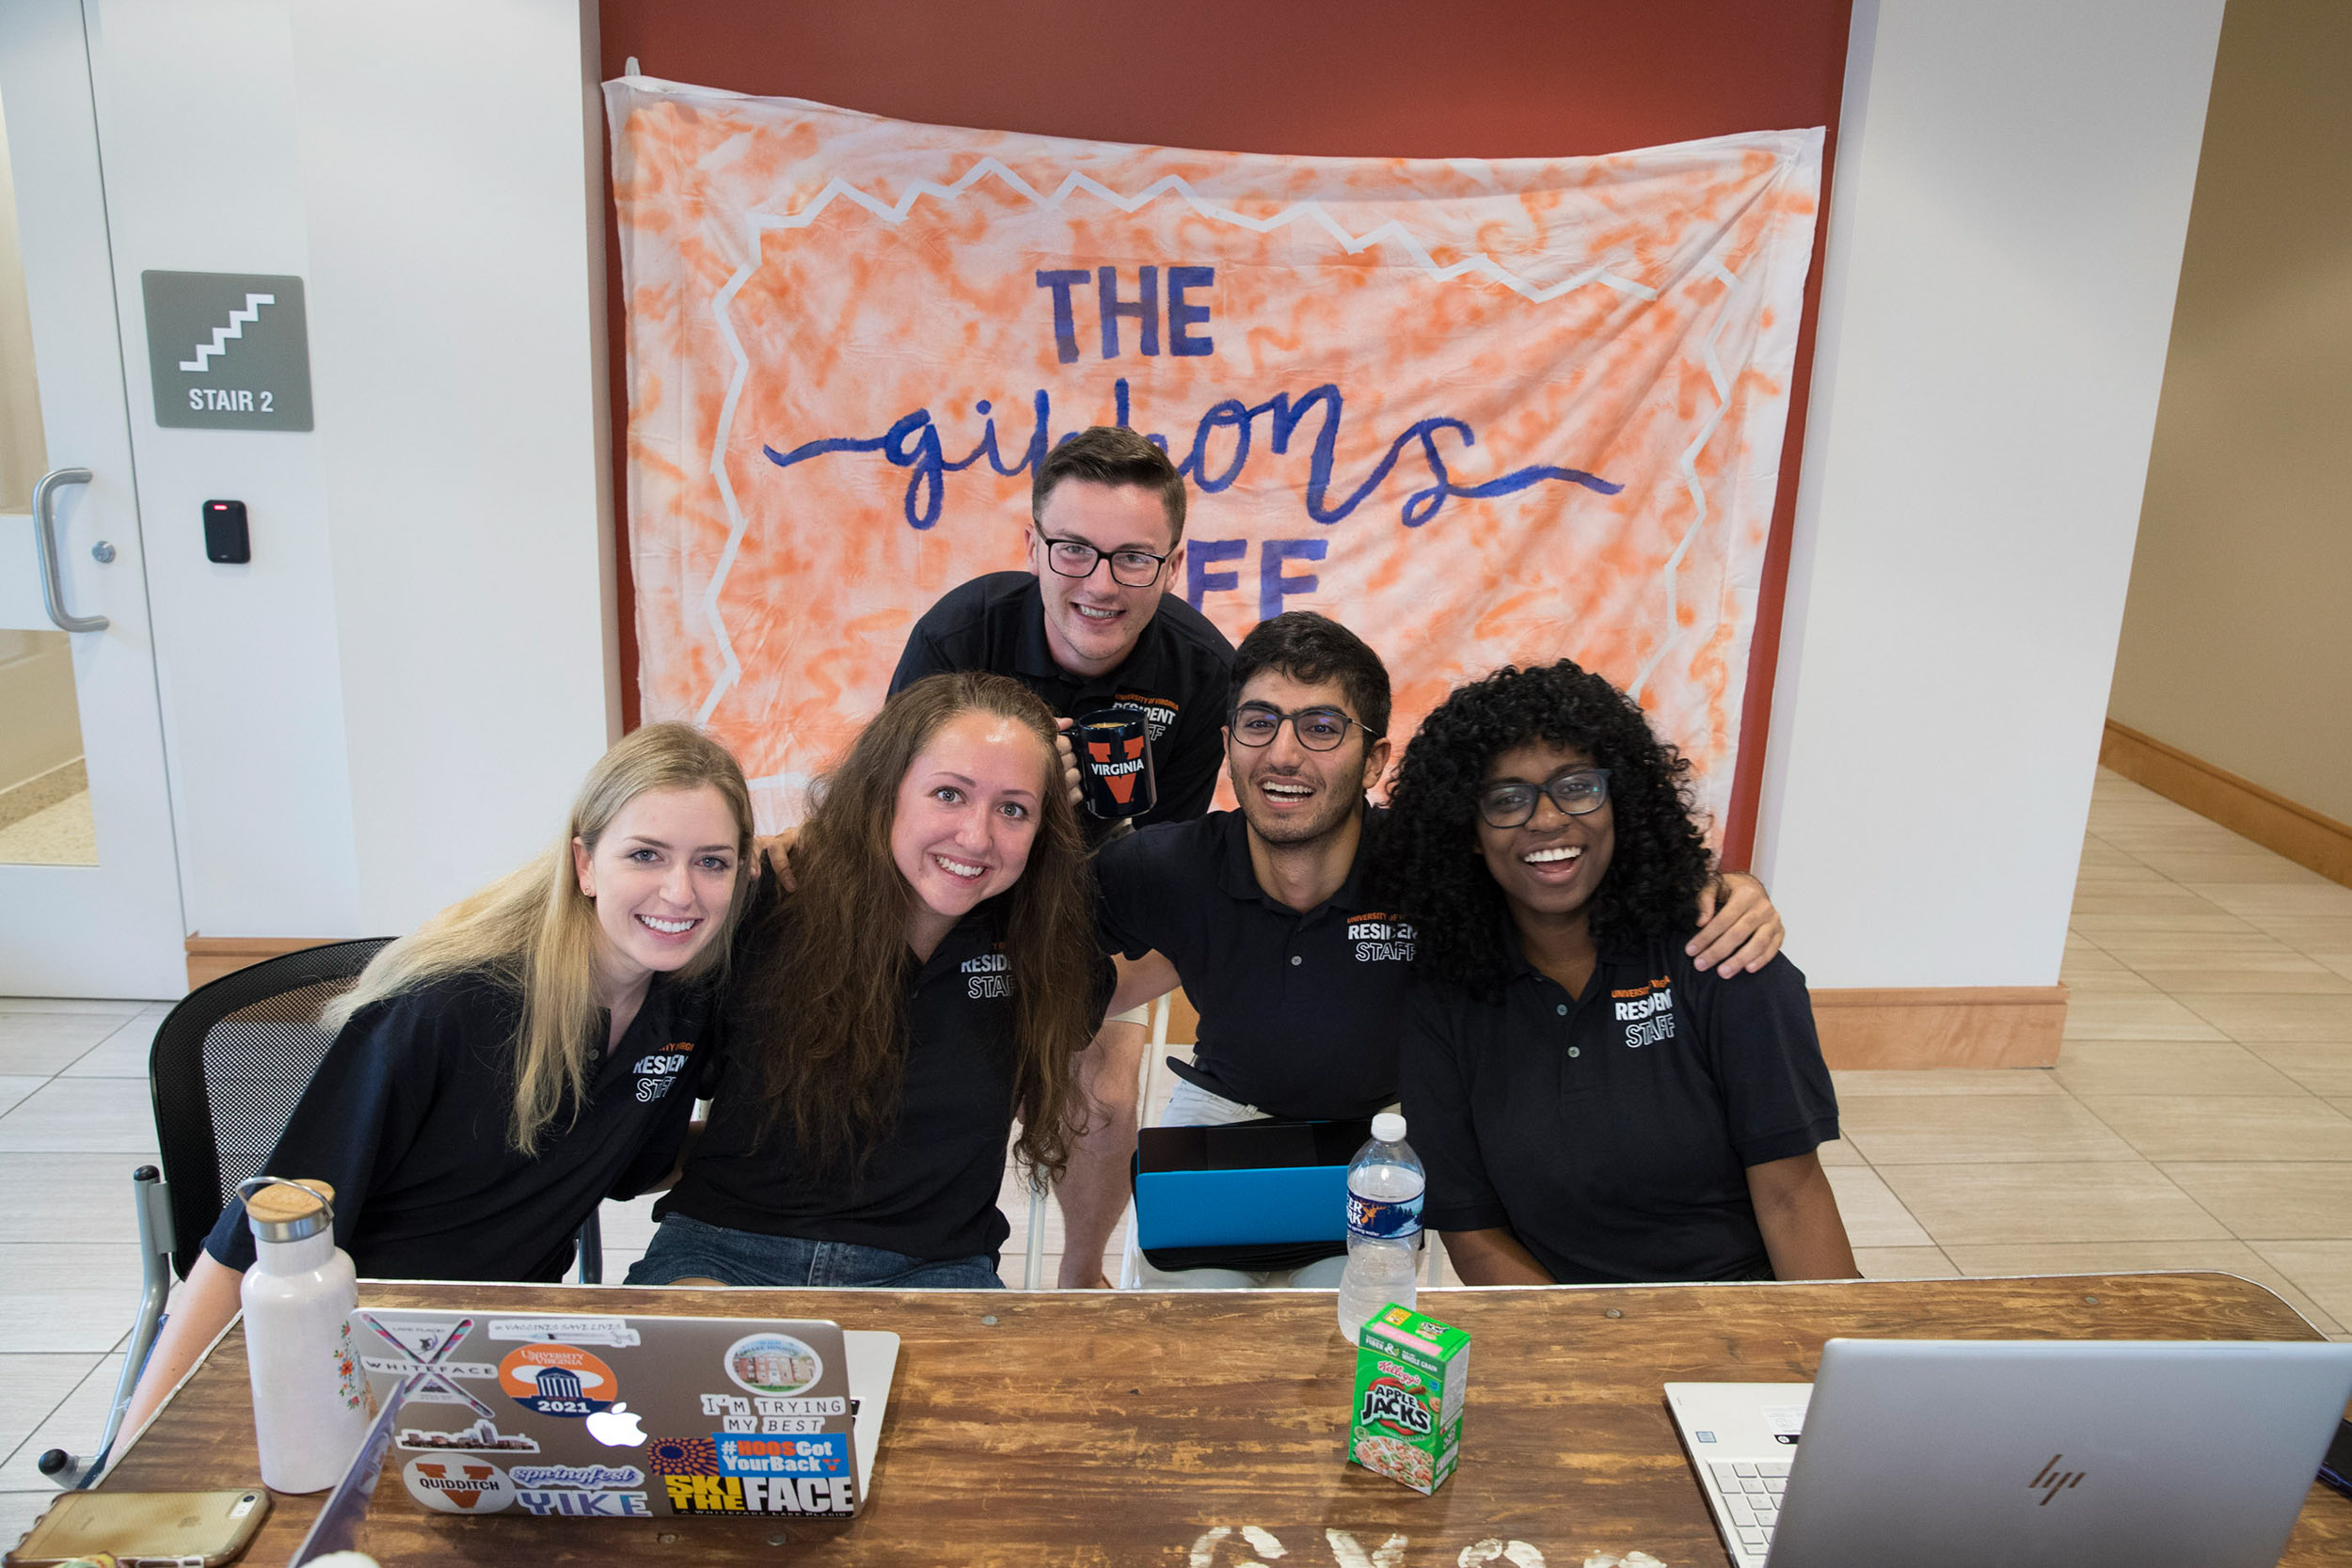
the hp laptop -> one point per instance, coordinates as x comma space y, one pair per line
2020, 1454
588, 1418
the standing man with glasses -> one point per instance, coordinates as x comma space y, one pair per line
1095, 622
1260, 913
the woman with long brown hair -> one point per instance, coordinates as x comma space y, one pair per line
931, 976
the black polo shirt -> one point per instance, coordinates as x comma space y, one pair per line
1178, 675
930, 1188
410, 1117
1611, 1132
1300, 1010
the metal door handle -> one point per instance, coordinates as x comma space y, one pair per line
46, 537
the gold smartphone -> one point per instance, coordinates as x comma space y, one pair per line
135, 1527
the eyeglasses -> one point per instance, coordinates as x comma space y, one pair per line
1075, 558
1319, 729
1512, 805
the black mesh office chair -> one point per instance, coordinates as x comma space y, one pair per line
229, 1064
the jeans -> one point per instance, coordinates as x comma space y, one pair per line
686, 1249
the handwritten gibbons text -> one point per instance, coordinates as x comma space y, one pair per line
1224, 439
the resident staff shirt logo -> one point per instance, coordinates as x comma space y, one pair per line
990, 974
1158, 713
658, 1070
1381, 939
1647, 1012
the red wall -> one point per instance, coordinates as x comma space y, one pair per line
1474, 78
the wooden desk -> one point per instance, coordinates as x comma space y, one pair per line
1082, 1428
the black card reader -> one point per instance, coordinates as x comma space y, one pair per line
225, 537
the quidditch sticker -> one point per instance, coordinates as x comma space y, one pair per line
458, 1485
558, 1380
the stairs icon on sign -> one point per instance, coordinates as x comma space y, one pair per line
206, 353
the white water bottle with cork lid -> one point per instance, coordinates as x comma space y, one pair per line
1385, 1184
310, 1396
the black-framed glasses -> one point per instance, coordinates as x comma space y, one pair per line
1075, 558
1319, 729
1513, 805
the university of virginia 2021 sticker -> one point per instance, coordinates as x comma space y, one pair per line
557, 1380
774, 1364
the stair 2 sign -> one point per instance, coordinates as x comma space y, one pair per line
228, 350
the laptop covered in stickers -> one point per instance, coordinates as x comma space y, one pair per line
581, 1415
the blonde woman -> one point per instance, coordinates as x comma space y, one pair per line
533, 1049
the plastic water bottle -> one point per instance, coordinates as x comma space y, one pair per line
1385, 1183
309, 1395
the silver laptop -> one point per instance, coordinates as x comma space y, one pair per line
2162, 1453
592, 1417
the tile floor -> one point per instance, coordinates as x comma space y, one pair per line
62, 834
2200, 1117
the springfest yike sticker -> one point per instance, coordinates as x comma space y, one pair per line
774, 1364
557, 1380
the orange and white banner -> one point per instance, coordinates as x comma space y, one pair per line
1481, 412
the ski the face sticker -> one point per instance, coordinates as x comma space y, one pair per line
558, 1380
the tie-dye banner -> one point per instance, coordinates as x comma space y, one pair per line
1481, 412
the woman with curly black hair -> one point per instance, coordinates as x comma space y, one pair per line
1591, 1107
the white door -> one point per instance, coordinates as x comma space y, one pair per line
89, 884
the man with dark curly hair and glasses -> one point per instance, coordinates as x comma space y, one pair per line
1592, 1105
1297, 971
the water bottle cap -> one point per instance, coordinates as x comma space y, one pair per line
285, 1210
1388, 1128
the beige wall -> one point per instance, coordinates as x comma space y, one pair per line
2237, 636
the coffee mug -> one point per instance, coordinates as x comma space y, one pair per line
1115, 764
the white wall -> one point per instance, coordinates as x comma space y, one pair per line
195, 115
2013, 191
429, 600
453, 198
394, 700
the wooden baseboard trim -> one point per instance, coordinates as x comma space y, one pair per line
2307, 837
1972, 1026
209, 957
1979, 1027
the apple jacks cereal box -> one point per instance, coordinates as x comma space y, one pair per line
1410, 1375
